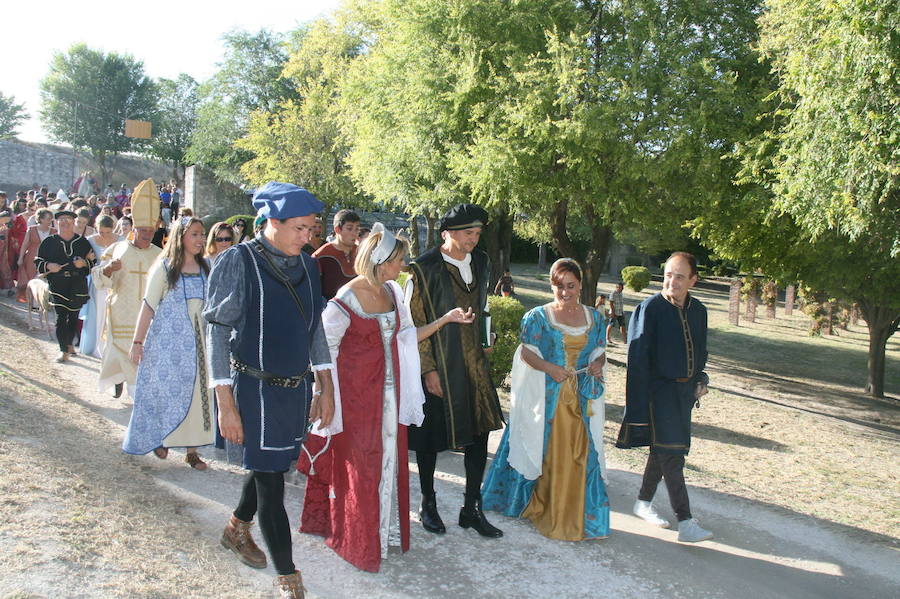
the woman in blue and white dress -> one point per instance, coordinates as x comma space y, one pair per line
550, 467
93, 313
172, 405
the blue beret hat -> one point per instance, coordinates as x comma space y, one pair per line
284, 201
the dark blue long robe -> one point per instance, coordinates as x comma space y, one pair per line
666, 357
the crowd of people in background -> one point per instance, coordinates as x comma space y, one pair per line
278, 327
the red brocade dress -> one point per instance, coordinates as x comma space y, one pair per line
357, 492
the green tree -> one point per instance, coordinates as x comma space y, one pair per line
249, 78
12, 115
175, 121
86, 97
594, 117
817, 199
300, 139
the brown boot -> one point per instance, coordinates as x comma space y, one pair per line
290, 586
237, 538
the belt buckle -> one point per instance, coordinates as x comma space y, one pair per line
292, 382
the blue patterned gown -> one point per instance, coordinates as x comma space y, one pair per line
172, 405
570, 456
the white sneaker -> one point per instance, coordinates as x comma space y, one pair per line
645, 511
689, 531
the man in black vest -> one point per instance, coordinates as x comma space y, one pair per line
461, 405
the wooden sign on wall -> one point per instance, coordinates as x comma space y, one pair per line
138, 129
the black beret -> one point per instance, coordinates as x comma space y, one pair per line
464, 216
60, 213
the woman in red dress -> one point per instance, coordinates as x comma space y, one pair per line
357, 495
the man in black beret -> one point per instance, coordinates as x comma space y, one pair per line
461, 404
66, 259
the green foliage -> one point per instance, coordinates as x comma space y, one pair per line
248, 218
816, 198
837, 132
593, 117
751, 287
87, 95
636, 278
506, 318
11, 116
299, 140
250, 78
175, 120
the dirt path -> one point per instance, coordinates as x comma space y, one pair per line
80, 519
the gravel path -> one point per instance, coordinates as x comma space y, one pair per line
81, 519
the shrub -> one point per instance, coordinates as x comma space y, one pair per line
506, 319
248, 230
636, 278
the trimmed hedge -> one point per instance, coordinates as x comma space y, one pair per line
636, 278
506, 319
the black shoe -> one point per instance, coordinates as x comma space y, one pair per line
118, 392
431, 520
471, 516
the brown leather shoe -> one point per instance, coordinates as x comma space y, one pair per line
290, 586
237, 538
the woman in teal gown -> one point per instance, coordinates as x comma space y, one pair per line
549, 467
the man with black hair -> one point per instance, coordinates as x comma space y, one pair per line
336, 258
461, 404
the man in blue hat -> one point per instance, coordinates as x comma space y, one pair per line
264, 307
461, 404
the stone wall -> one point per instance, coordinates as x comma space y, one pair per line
213, 200
23, 164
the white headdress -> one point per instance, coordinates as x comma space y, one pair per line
385, 246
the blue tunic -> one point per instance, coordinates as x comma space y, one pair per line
271, 335
505, 490
666, 358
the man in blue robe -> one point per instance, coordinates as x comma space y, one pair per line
666, 358
264, 309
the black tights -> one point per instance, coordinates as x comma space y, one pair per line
670, 467
475, 459
66, 327
263, 494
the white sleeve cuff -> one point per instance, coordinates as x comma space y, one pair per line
213, 383
318, 367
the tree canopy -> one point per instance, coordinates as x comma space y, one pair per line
175, 121
816, 199
87, 95
12, 115
248, 79
300, 139
593, 117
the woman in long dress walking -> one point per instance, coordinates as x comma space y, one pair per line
357, 495
172, 406
550, 467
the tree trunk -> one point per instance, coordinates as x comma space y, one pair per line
497, 238
770, 311
431, 238
734, 303
750, 313
591, 261
789, 293
542, 255
414, 249
882, 322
